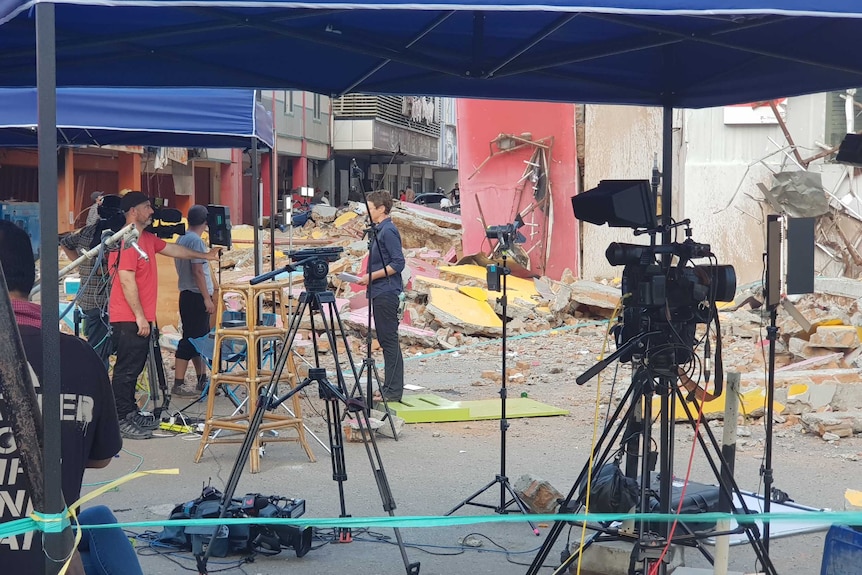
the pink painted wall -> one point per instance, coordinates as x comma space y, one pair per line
496, 185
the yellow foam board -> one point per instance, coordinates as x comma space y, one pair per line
343, 219
477, 293
853, 499
464, 308
478, 272
750, 401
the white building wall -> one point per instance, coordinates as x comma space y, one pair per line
719, 165
620, 143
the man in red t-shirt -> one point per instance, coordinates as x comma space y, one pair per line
132, 308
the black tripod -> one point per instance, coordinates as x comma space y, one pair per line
156, 374
637, 421
317, 302
501, 479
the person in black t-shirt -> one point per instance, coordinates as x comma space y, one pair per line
90, 431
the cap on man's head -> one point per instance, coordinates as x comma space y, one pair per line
133, 200
96, 195
198, 215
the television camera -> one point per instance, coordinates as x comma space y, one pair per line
665, 296
167, 222
669, 299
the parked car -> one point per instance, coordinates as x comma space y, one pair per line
431, 199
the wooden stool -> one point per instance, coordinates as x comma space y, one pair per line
253, 378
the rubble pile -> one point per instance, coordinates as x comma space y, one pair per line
818, 355
448, 303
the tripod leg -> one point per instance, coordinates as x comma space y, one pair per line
516, 499
335, 328
609, 435
358, 408
751, 530
385, 402
471, 497
339, 467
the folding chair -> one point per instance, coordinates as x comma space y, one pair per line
233, 355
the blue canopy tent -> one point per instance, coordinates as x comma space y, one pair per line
186, 118
668, 53
681, 53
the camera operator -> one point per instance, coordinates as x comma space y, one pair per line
133, 306
93, 298
386, 262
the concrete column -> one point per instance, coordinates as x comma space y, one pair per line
266, 180
231, 185
300, 171
66, 207
129, 177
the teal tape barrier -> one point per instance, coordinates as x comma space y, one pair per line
825, 517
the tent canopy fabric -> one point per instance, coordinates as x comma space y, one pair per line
186, 118
680, 53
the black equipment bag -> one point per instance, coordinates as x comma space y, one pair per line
699, 498
611, 491
265, 539
234, 539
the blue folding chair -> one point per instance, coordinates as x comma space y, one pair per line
233, 354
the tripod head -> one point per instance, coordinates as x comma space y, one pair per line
315, 267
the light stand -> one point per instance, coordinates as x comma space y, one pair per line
773, 297
369, 367
505, 236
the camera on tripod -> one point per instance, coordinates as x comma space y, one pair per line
662, 294
507, 234
315, 266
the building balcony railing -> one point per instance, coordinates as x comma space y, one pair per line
417, 113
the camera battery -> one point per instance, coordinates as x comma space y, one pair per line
494, 272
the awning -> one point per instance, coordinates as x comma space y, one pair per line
183, 118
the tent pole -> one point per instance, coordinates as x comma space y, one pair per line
255, 205
273, 186
667, 173
46, 84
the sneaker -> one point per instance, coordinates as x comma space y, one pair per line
131, 430
180, 391
202, 383
145, 420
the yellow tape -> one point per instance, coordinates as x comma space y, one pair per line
53, 521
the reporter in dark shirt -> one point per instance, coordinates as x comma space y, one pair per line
386, 262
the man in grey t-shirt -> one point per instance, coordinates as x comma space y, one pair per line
196, 302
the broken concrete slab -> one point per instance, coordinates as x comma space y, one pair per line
424, 284
845, 287
838, 420
538, 494
449, 307
417, 232
385, 429
835, 337
596, 295
803, 398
